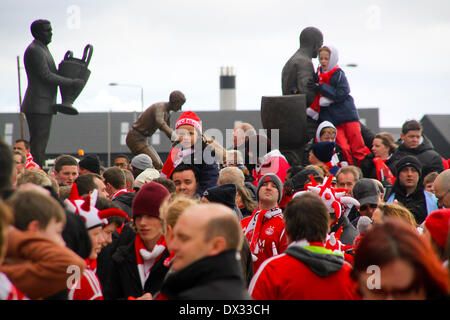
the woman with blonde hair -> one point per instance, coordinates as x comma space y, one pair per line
393, 210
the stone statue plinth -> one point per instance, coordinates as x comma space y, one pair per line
287, 114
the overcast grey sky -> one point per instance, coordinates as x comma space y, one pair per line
401, 48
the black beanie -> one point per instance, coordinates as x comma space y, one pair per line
408, 161
225, 194
323, 150
90, 162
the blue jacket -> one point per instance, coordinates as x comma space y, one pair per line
343, 109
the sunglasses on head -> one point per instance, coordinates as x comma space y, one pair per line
367, 206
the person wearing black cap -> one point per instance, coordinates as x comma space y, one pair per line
368, 195
89, 164
408, 189
224, 194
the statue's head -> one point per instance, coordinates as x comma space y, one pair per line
176, 100
42, 30
312, 38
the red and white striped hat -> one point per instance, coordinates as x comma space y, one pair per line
191, 119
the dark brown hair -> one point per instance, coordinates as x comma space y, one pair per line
115, 177
306, 217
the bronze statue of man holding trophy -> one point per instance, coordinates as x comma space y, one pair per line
39, 104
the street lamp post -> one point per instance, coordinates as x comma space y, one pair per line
115, 84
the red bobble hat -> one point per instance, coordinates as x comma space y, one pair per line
191, 119
438, 223
148, 200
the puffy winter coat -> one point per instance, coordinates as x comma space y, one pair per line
342, 109
425, 153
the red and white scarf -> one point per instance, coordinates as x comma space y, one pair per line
173, 160
324, 77
146, 259
30, 164
118, 192
253, 229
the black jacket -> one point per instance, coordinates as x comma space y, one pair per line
104, 259
427, 156
414, 202
211, 278
368, 167
124, 278
124, 201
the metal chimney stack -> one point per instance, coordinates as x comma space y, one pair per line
227, 88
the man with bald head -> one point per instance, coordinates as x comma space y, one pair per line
442, 189
206, 240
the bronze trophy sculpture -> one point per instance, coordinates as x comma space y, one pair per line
72, 67
288, 112
155, 117
43, 81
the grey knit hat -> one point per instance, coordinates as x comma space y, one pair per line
271, 177
142, 161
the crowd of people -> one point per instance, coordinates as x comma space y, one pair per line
243, 225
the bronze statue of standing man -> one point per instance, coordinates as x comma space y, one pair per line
299, 70
43, 81
155, 117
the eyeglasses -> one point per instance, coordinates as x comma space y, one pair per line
366, 206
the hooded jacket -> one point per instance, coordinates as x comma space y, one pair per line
425, 153
124, 201
420, 202
342, 108
304, 272
216, 277
337, 159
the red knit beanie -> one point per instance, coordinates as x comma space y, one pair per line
148, 200
437, 223
191, 119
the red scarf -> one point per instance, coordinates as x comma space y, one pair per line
314, 109
254, 226
383, 171
146, 259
